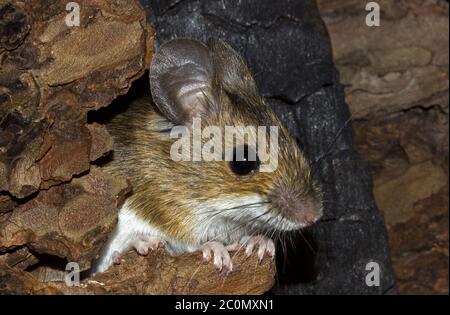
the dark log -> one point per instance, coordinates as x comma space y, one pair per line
287, 46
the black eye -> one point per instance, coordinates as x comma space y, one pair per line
245, 161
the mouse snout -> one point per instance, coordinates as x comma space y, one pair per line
298, 207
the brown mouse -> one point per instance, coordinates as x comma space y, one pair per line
215, 206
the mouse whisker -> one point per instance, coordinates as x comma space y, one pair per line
218, 212
300, 232
248, 223
248, 205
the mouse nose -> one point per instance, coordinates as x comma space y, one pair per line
299, 207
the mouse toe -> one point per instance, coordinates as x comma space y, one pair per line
219, 253
145, 244
264, 245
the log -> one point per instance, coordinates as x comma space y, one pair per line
160, 273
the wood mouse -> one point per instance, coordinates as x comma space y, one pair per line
212, 206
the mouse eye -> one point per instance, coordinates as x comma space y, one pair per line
245, 161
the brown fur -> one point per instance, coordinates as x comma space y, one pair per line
189, 79
164, 190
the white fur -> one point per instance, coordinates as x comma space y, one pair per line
217, 221
128, 229
223, 219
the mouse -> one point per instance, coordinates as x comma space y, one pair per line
214, 206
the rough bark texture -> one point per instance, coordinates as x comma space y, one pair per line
403, 63
51, 75
157, 273
396, 79
287, 46
53, 202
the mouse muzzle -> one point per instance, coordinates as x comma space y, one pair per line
300, 207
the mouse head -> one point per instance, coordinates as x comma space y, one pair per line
267, 183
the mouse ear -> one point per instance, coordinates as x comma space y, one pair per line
181, 76
231, 70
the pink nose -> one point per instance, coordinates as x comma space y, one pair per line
299, 208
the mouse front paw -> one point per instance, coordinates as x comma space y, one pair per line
145, 244
142, 244
265, 246
221, 255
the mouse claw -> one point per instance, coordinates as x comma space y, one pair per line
221, 259
265, 246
